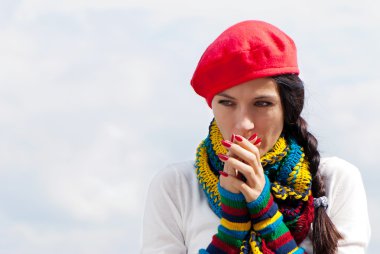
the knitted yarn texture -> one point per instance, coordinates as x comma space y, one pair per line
245, 51
289, 183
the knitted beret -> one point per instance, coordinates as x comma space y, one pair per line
245, 51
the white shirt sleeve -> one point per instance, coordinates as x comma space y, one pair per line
162, 224
347, 204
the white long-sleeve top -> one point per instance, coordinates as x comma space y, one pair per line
178, 218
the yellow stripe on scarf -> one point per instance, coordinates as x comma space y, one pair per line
238, 226
265, 223
216, 139
294, 250
205, 175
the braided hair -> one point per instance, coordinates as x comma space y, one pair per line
325, 236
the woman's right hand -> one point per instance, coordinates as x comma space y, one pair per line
243, 159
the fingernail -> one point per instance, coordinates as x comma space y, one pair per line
239, 138
226, 143
252, 137
232, 137
223, 173
257, 141
223, 157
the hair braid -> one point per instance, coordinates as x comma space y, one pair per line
325, 235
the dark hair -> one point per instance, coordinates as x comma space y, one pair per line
325, 236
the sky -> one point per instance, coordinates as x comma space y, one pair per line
95, 99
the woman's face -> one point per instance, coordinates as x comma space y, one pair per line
251, 107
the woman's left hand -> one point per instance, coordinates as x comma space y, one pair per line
245, 159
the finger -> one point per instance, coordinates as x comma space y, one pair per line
249, 144
228, 182
233, 184
240, 151
248, 192
236, 185
227, 167
243, 169
231, 154
245, 155
227, 144
229, 170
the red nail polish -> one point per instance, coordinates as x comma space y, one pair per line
257, 141
232, 137
223, 173
226, 143
238, 138
223, 157
253, 137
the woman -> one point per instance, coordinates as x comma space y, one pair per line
258, 184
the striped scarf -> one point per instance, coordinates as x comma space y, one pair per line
286, 167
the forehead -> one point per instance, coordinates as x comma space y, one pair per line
261, 86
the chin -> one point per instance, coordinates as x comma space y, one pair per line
262, 151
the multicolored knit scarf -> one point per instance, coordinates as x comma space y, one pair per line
288, 171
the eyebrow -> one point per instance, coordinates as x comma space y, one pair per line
226, 95
269, 96
260, 97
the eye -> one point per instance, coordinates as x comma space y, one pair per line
227, 103
263, 103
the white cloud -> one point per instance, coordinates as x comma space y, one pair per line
79, 240
346, 115
102, 180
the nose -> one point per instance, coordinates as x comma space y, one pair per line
244, 124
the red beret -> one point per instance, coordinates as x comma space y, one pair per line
246, 51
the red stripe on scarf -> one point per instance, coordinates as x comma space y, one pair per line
282, 240
234, 211
264, 210
304, 222
224, 246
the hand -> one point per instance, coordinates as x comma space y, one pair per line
243, 159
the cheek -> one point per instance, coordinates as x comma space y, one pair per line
223, 121
270, 128
278, 124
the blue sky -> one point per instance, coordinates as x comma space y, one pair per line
95, 99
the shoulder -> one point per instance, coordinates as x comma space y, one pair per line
334, 169
173, 175
343, 184
347, 203
173, 188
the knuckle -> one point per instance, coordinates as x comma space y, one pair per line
251, 160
